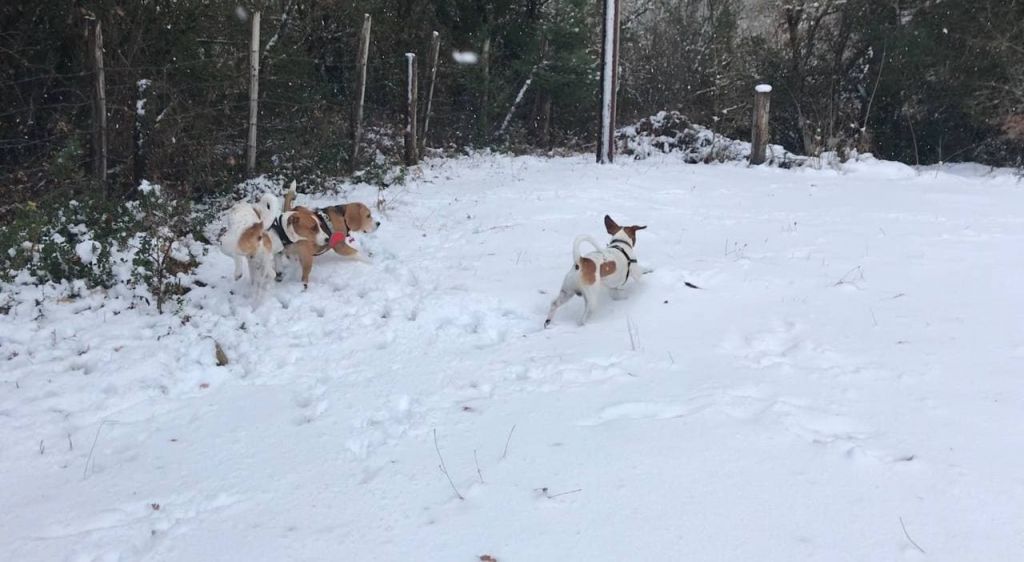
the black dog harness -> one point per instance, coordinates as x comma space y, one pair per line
278, 228
325, 224
629, 261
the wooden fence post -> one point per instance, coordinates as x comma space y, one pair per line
410, 111
99, 124
435, 48
140, 132
485, 74
759, 134
254, 89
357, 110
609, 80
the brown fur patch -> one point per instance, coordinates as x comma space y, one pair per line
304, 223
607, 268
250, 239
631, 232
359, 217
588, 271
611, 226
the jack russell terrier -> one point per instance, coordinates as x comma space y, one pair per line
612, 266
256, 233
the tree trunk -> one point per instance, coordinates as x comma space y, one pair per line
411, 157
254, 93
99, 147
609, 81
357, 109
435, 48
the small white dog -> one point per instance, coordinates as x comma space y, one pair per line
613, 266
245, 239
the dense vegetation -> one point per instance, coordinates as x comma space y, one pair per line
919, 81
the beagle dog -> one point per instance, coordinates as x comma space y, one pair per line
339, 222
258, 233
612, 266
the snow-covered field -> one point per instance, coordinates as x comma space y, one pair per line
847, 384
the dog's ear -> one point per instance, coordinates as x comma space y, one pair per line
611, 226
631, 231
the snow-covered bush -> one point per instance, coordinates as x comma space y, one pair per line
147, 245
163, 244
73, 241
671, 131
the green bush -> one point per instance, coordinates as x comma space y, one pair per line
85, 241
68, 241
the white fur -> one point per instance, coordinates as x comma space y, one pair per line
269, 208
260, 264
573, 283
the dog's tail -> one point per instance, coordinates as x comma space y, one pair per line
576, 247
268, 208
289, 197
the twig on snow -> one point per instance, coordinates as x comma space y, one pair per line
478, 473
906, 534
85, 471
844, 281
550, 495
634, 333
505, 452
444, 469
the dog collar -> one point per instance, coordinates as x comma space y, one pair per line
333, 238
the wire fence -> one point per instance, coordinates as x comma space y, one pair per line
184, 122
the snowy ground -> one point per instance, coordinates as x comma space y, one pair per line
847, 381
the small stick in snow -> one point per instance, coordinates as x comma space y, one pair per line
906, 534
444, 469
478, 473
71, 446
505, 452
634, 334
42, 448
85, 472
843, 281
690, 285
550, 496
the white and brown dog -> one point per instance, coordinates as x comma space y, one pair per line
256, 233
612, 267
339, 222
